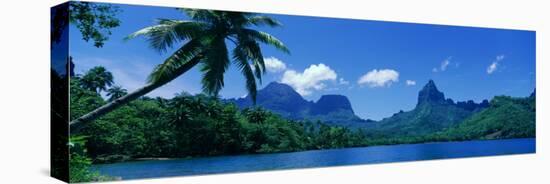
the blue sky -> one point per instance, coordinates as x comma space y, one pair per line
379, 66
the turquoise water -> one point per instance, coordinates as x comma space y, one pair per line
316, 158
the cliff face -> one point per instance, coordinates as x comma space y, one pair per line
284, 100
430, 95
331, 103
432, 113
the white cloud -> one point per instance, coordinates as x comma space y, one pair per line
500, 57
311, 79
379, 78
342, 81
494, 65
444, 64
492, 68
410, 83
274, 65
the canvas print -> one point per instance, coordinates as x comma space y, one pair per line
144, 92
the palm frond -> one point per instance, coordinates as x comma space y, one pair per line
254, 53
241, 60
167, 69
214, 66
266, 39
261, 20
238, 19
258, 71
210, 16
169, 32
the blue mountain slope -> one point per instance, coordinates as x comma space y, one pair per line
432, 113
285, 101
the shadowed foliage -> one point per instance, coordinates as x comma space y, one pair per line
97, 79
116, 92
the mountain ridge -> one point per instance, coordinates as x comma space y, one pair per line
433, 112
506, 117
285, 101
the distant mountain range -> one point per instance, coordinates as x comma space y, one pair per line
285, 101
433, 112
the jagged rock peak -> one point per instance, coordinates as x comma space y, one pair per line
430, 94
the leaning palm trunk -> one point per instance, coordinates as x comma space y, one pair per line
78, 123
205, 37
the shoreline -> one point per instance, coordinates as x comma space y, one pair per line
153, 158
193, 157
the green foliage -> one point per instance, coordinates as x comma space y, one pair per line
82, 100
256, 115
124, 131
94, 20
201, 125
424, 119
97, 79
116, 92
205, 37
79, 163
506, 117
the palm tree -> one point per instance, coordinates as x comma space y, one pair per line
256, 115
97, 79
204, 38
116, 92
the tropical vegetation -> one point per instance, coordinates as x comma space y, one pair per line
110, 124
204, 38
203, 125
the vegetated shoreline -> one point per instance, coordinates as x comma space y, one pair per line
142, 159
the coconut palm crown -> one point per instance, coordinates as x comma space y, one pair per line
97, 79
116, 92
204, 39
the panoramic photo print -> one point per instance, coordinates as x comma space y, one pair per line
149, 92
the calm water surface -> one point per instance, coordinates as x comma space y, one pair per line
317, 158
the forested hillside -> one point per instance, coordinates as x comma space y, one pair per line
506, 117
200, 125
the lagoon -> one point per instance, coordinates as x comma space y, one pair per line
315, 158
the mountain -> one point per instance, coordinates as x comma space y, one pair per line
332, 103
336, 109
506, 117
430, 95
432, 113
278, 98
285, 101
